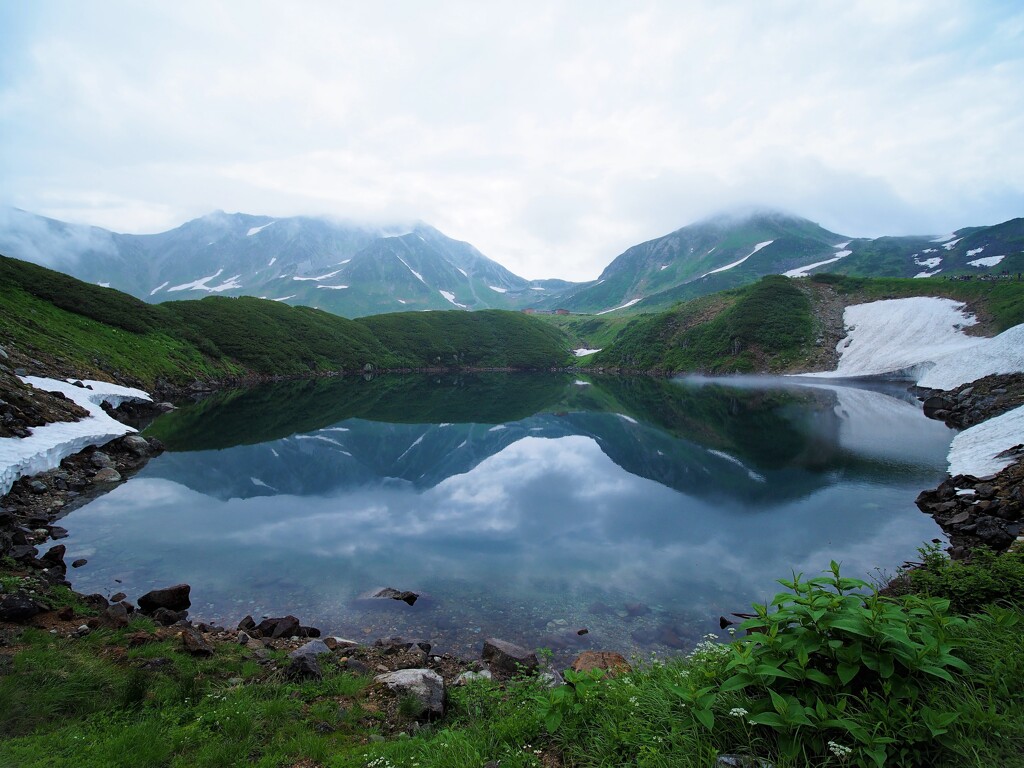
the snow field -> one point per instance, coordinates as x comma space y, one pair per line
973, 451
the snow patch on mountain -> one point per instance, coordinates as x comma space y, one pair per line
987, 261
451, 299
629, 303
944, 238
197, 285
159, 287
255, 230
319, 277
333, 287
272, 260
757, 248
582, 352
802, 271
418, 275
48, 445
495, 288
949, 246
975, 251
928, 274
929, 263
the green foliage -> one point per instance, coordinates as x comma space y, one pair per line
763, 326
969, 585
567, 699
828, 650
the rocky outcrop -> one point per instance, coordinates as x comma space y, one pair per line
174, 598
973, 512
424, 686
974, 402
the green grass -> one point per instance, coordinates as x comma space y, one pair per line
767, 325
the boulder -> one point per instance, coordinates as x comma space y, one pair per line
284, 626
136, 444
313, 648
247, 624
174, 598
390, 593
614, 664
506, 660
107, 475
304, 668
193, 642
54, 557
100, 460
114, 616
423, 685
166, 617
18, 607
79, 562
937, 403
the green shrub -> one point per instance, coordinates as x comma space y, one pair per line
970, 585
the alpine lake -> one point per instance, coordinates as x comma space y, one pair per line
522, 506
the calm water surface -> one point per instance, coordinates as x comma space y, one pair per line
522, 506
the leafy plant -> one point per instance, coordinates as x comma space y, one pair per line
831, 665
969, 585
569, 698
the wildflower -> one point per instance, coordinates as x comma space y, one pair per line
738, 712
840, 751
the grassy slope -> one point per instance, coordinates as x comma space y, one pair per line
94, 330
769, 326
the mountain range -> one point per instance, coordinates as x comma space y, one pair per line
355, 270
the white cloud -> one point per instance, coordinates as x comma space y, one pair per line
550, 135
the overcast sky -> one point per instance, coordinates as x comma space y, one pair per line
551, 135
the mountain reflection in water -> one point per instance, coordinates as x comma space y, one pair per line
522, 506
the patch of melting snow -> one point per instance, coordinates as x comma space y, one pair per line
418, 275
159, 287
928, 274
496, 289
254, 230
583, 352
975, 251
535, 288
949, 246
987, 261
663, 267
624, 417
103, 285
272, 260
581, 383
333, 287
319, 277
621, 306
497, 428
922, 339
757, 248
944, 238
451, 299
259, 483
197, 285
46, 446
929, 263
462, 271
802, 271
286, 298
975, 451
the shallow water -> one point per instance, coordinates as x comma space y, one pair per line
522, 506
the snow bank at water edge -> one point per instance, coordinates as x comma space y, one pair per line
922, 339
975, 451
47, 445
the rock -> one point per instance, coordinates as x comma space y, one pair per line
243, 639
991, 531
136, 444
96, 601
118, 597
57, 532
194, 643
166, 617
393, 594
79, 562
506, 660
937, 403
22, 552
357, 667
18, 607
37, 486
285, 626
54, 557
614, 664
100, 460
313, 648
114, 616
309, 632
247, 624
304, 668
107, 475
472, 677
425, 685
741, 761
174, 598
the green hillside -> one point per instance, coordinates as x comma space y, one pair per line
774, 324
86, 330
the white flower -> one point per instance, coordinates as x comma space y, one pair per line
738, 712
840, 751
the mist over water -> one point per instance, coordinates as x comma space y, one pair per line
526, 507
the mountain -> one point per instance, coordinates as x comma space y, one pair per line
347, 269
721, 252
